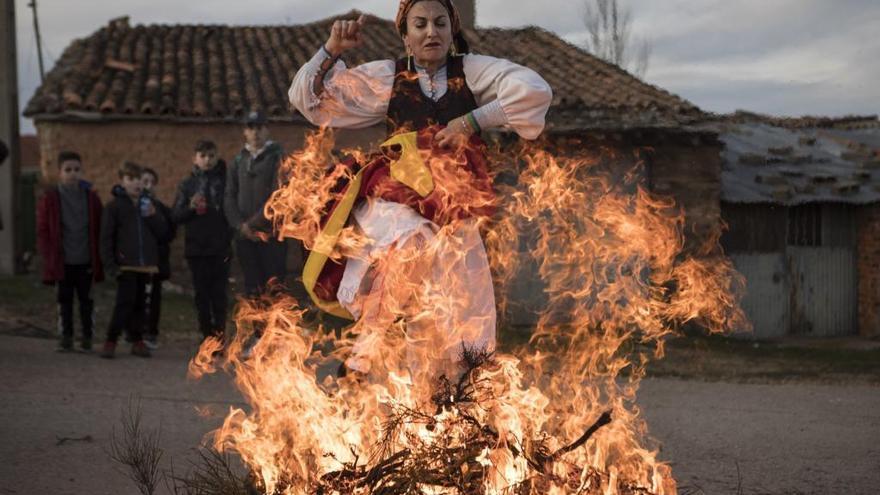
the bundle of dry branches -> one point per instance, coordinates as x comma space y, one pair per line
452, 462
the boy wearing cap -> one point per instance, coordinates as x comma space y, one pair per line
251, 179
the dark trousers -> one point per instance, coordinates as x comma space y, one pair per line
210, 276
77, 280
153, 305
261, 262
128, 312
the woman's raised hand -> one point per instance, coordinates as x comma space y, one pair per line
345, 35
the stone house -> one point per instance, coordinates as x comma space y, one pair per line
148, 92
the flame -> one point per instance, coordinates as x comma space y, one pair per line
617, 279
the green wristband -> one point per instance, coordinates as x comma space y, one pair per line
473, 121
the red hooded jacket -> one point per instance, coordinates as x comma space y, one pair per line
49, 234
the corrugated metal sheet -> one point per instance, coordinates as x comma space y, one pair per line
766, 300
762, 163
823, 291
805, 281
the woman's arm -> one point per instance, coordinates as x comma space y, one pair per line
328, 93
351, 98
509, 95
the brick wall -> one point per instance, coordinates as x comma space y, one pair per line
166, 147
869, 270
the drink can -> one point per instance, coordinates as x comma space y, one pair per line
145, 206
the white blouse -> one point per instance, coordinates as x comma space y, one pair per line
508, 95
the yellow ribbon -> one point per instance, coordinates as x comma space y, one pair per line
410, 169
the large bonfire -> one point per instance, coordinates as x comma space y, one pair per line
557, 416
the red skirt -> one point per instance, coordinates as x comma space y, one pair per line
462, 188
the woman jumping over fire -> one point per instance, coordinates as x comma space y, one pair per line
431, 181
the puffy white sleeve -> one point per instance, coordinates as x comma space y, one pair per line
508, 94
352, 98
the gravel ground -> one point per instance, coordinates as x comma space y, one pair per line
57, 412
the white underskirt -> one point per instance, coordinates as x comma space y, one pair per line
460, 266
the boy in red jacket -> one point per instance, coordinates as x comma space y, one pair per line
68, 238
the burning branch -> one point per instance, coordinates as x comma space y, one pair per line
456, 458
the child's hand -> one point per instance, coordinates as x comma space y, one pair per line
149, 211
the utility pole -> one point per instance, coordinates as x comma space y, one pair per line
33, 6
9, 135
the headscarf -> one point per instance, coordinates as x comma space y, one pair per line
461, 45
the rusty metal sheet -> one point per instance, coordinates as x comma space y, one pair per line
766, 300
824, 300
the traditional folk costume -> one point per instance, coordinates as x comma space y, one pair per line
394, 199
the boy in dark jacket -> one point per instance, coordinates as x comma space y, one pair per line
250, 181
130, 233
149, 180
68, 233
199, 206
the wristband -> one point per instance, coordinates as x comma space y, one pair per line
473, 122
328, 62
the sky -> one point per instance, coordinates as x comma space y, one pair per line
779, 57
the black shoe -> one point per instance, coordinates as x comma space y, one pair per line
65, 345
85, 345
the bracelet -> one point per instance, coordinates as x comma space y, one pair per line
328, 62
473, 122
465, 125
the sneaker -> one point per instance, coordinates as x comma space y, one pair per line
152, 342
109, 350
85, 345
139, 349
65, 345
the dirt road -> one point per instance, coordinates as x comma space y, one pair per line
57, 411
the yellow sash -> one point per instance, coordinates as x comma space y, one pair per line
409, 169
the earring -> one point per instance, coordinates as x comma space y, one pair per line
452, 51
409, 59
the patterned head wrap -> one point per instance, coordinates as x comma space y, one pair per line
461, 45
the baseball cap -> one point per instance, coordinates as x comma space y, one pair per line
255, 117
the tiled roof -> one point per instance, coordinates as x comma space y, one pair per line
849, 122
213, 72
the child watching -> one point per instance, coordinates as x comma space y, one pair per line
130, 230
68, 233
149, 181
199, 206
